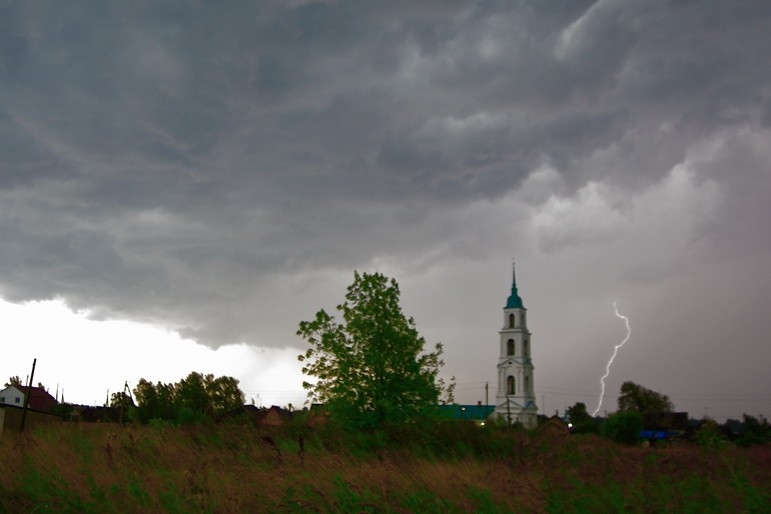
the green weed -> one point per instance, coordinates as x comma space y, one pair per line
482, 500
82, 445
396, 469
349, 499
138, 493
755, 499
173, 501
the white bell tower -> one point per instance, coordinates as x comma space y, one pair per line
515, 400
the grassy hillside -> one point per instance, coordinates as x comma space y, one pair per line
229, 468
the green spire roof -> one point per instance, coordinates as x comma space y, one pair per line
514, 301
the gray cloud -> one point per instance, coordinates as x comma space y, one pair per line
180, 163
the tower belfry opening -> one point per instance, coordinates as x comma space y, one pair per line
515, 399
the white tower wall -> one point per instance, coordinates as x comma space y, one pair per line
515, 398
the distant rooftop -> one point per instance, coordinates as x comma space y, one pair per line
470, 412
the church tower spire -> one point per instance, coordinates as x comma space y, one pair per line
515, 399
514, 301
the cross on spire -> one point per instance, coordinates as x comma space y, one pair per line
513, 272
514, 301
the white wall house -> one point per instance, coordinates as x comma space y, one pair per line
12, 396
515, 400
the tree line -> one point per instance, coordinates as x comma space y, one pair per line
195, 398
641, 408
370, 370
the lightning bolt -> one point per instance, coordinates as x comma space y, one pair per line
615, 352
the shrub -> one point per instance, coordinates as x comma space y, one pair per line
708, 436
586, 426
755, 431
623, 427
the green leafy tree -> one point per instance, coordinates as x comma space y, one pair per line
121, 400
370, 369
583, 422
708, 435
578, 413
123, 407
645, 401
623, 427
223, 393
155, 401
147, 400
448, 396
195, 398
191, 396
14, 381
167, 400
755, 431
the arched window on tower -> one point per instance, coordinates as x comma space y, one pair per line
510, 347
527, 384
510, 385
511, 320
524, 347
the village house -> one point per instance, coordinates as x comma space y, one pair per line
273, 417
11, 395
39, 398
40, 408
553, 427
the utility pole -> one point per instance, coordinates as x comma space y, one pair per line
26, 396
124, 401
487, 390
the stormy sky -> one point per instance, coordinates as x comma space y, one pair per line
219, 170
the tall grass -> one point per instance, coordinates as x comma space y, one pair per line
441, 467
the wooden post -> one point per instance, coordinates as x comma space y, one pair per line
26, 396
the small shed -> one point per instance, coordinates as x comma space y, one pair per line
318, 415
273, 417
552, 428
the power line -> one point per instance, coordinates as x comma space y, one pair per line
575, 393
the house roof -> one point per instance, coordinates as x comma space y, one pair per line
554, 425
475, 412
275, 415
39, 398
10, 388
262, 416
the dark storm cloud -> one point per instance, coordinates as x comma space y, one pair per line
176, 162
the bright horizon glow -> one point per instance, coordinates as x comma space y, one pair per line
85, 360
